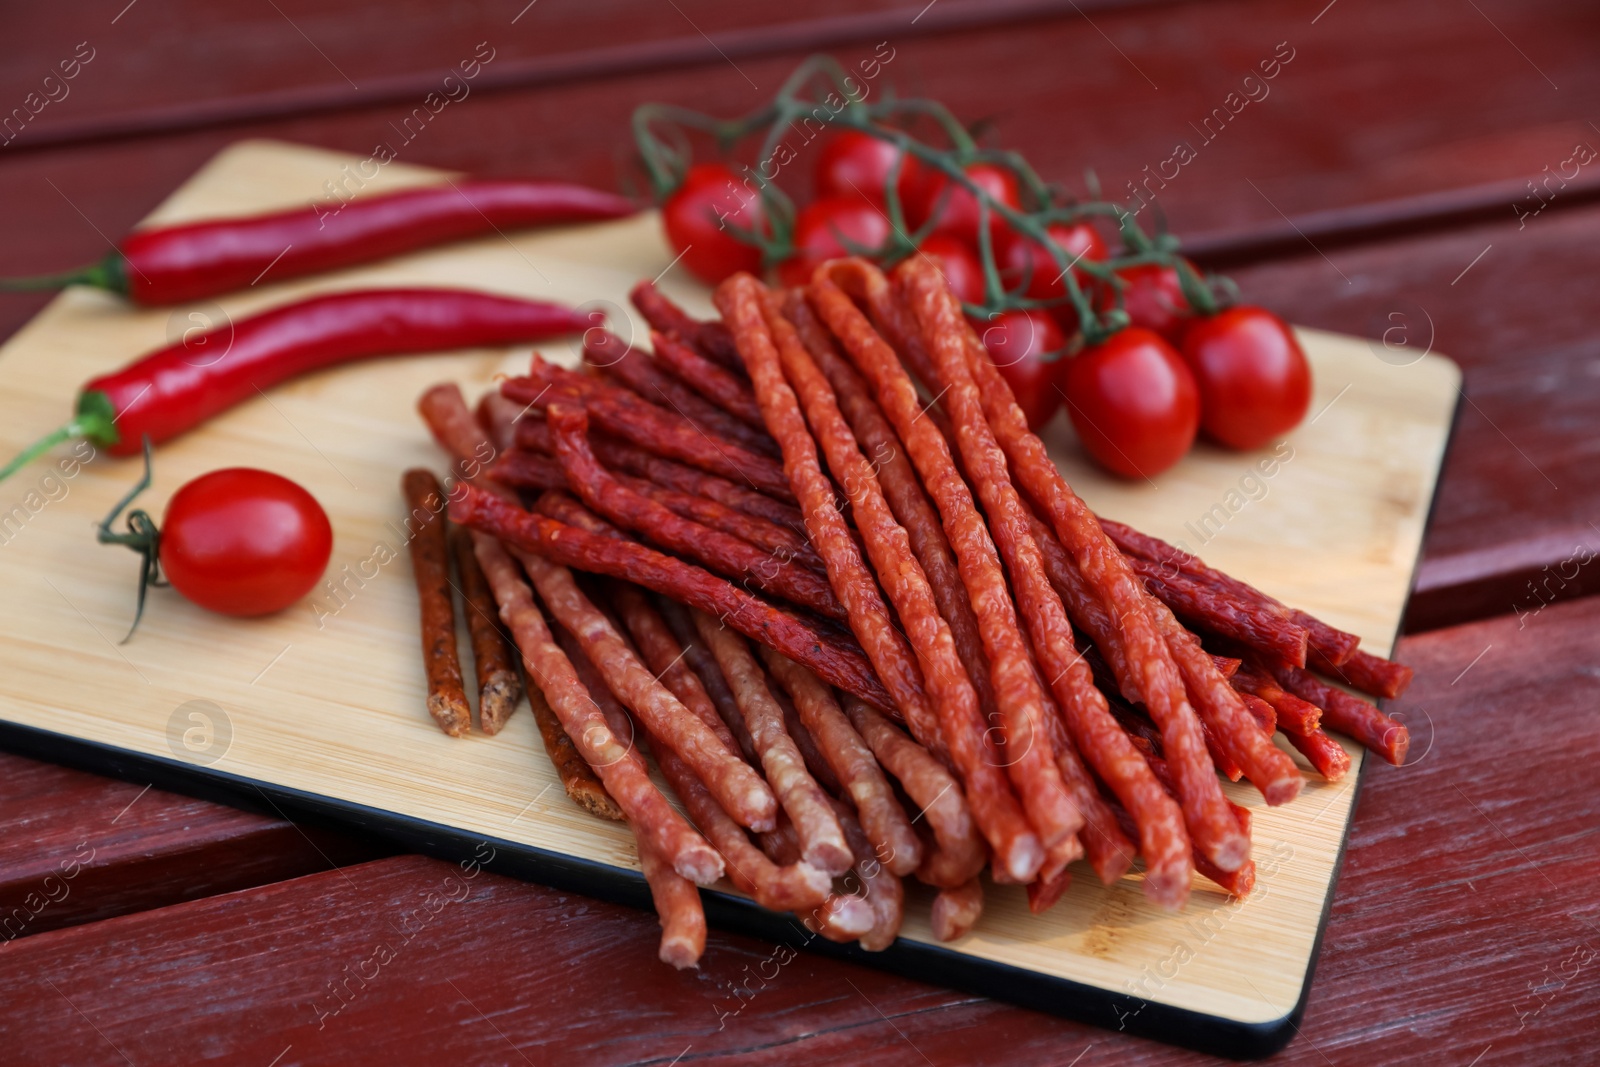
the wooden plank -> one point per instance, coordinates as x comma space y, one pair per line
327, 697
1514, 502
1464, 922
76, 847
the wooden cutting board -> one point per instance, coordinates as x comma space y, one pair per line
320, 709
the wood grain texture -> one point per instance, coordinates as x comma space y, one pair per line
1465, 926
327, 697
76, 847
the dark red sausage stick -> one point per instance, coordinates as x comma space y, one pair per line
171, 264
182, 385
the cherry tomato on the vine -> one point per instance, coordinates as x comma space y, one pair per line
699, 216
857, 164
1024, 257
242, 541
1153, 299
1255, 383
958, 211
1017, 342
959, 265
1133, 402
818, 230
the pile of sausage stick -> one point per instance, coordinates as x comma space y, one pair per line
809, 561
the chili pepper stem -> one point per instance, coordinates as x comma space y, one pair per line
95, 420
109, 273
143, 537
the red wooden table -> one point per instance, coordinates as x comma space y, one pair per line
1398, 177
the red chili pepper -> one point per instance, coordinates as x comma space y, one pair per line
175, 388
172, 264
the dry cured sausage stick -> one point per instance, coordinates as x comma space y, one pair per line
710, 339
430, 562
1336, 645
956, 911
1366, 672
1108, 849
528, 470
704, 665
756, 619
1208, 609
577, 777
737, 787
759, 337
942, 805
1085, 609
1265, 715
1017, 688
497, 417
677, 901
635, 369
1348, 714
718, 551
632, 418
907, 500
499, 685
852, 762
810, 751
943, 333
781, 541
445, 411
822, 842
1326, 755
662, 653
1044, 892
1292, 715
1107, 572
614, 761
535, 435
881, 886
712, 382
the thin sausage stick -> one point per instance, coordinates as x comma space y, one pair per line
1347, 714
577, 777
1044, 892
906, 498
499, 685
710, 339
882, 818
781, 541
677, 901
430, 562
1294, 715
709, 380
449, 419
737, 787
1207, 608
668, 659
717, 551
533, 434
881, 886
1018, 847
617, 764
756, 619
1105, 568
740, 300
1326, 755
1364, 671
822, 842
960, 850
956, 911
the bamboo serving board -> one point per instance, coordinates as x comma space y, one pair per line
321, 707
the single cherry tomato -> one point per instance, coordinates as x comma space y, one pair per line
699, 218
1153, 299
1255, 383
958, 215
1018, 342
857, 165
821, 229
242, 541
1133, 402
959, 265
1024, 257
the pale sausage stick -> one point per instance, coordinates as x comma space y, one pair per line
683, 920
882, 887
852, 762
822, 842
667, 658
430, 561
956, 911
499, 686
617, 764
733, 782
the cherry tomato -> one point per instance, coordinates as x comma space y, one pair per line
698, 215
1018, 341
241, 541
959, 265
818, 230
1133, 402
857, 165
1154, 300
958, 216
1254, 381
1024, 257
